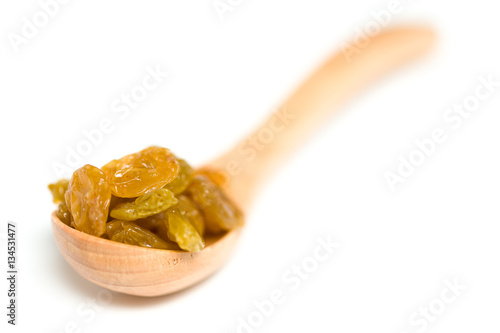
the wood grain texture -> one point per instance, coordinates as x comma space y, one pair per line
150, 272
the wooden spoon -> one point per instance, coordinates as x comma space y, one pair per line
142, 271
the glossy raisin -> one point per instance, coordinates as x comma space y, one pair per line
181, 231
137, 174
146, 205
88, 197
58, 189
63, 214
181, 182
220, 213
157, 224
186, 207
130, 233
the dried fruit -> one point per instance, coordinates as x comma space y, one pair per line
130, 233
220, 213
171, 205
181, 231
58, 189
137, 174
88, 197
157, 224
63, 213
187, 208
146, 205
181, 182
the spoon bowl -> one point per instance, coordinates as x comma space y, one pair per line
136, 270
143, 271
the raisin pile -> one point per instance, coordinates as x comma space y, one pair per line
150, 199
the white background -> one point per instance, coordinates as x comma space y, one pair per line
397, 248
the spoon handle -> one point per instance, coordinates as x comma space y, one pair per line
251, 161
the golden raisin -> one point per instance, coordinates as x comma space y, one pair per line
130, 233
137, 174
220, 213
63, 214
146, 205
157, 224
58, 189
187, 208
88, 197
181, 231
181, 182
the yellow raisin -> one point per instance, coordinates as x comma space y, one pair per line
187, 208
63, 213
156, 224
88, 197
137, 174
220, 213
130, 233
146, 205
181, 231
181, 182
58, 189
